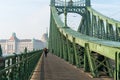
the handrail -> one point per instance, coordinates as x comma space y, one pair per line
18, 66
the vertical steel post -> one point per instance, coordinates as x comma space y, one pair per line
91, 65
75, 53
13, 70
103, 29
0, 51
2, 65
107, 32
64, 47
117, 32
60, 41
71, 54
86, 65
68, 48
57, 43
117, 66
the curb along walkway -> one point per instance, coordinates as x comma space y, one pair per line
38, 73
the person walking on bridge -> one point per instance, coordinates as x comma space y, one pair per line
45, 52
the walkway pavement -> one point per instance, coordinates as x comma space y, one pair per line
58, 69
54, 68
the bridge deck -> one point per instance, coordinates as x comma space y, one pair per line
58, 69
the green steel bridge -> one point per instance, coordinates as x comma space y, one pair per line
94, 47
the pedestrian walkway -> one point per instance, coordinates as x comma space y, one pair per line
54, 68
58, 69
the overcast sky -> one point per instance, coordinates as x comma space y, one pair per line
110, 8
30, 18
27, 18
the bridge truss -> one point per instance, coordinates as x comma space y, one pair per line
95, 47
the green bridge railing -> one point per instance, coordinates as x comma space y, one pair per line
18, 66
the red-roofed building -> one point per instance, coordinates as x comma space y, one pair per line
15, 45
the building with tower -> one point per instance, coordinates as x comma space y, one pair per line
15, 45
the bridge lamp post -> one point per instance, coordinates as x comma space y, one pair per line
65, 14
